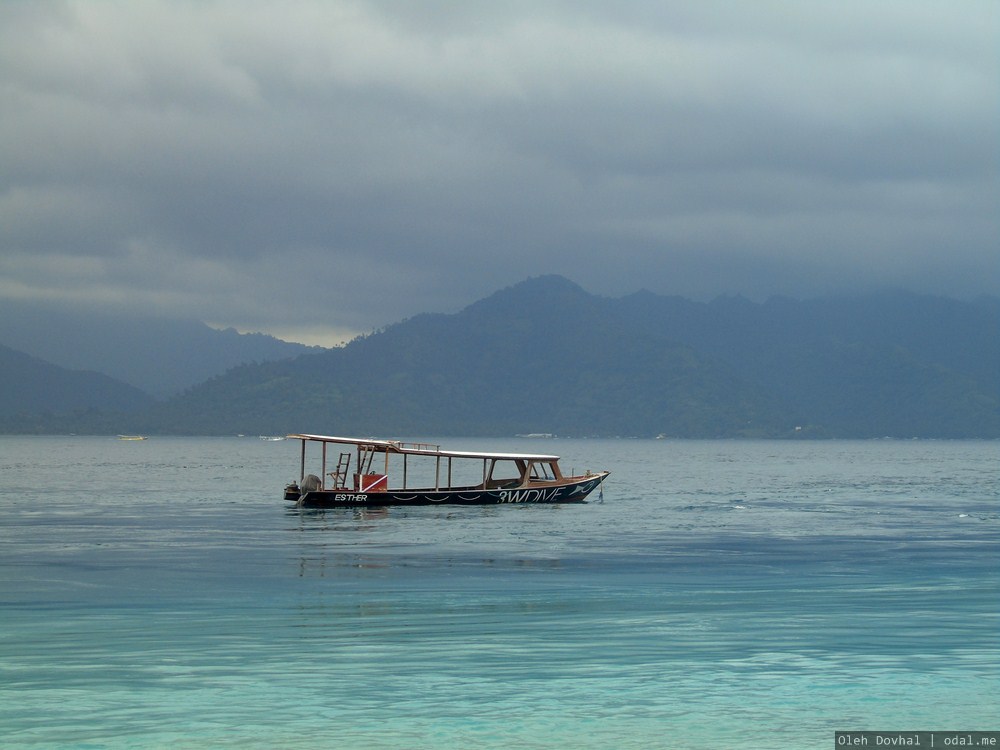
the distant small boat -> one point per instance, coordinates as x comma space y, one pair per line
270, 438
132, 437
358, 480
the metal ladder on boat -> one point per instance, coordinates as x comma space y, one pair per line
339, 476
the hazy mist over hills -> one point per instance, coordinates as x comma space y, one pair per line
338, 166
547, 356
33, 386
157, 355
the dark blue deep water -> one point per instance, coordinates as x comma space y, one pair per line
160, 594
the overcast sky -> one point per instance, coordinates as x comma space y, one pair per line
328, 167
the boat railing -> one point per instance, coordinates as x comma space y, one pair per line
428, 447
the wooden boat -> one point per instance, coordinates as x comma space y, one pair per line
426, 474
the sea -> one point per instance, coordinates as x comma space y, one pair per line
716, 594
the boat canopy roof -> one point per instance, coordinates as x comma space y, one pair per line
419, 449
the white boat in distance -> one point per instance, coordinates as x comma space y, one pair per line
360, 476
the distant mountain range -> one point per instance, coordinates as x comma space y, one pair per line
32, 387
545, 356
159, 356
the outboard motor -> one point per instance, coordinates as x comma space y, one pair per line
311, 483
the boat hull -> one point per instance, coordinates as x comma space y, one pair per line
568, 492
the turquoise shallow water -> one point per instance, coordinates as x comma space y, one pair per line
723, 594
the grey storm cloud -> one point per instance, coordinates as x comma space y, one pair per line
346, 164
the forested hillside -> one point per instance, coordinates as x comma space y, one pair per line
159, 356
32, 391
546, 356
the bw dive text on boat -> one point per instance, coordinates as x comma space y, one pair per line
528, 496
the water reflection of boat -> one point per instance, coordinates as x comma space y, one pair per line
444, 476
